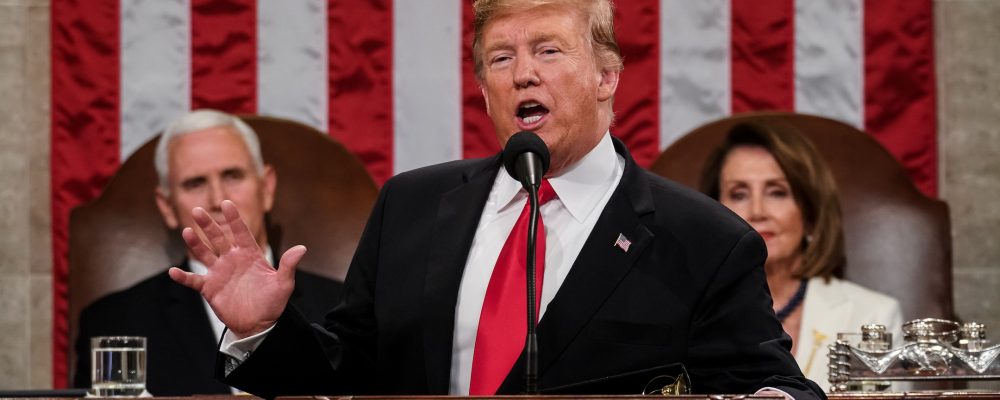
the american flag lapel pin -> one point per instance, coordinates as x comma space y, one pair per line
622, 242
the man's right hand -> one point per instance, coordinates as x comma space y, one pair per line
245, 291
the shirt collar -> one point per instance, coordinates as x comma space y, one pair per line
579, 188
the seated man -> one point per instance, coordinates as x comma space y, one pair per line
203, 158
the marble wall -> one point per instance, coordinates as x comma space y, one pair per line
968, 71
969, 121
25, 246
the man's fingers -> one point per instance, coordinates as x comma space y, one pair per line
215, 235
193, 281
290, 260
198, 248
241, 234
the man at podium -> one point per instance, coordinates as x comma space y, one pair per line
637, 274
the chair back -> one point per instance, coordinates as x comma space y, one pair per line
322, 200
897, 240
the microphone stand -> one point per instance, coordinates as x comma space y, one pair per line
529, 167
531, 345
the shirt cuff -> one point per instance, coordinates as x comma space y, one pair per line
240, 349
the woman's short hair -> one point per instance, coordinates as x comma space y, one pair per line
602, 27
812, 185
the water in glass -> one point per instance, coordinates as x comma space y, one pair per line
118, 366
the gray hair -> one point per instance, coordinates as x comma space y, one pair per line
199, 120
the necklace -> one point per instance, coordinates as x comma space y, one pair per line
794, 302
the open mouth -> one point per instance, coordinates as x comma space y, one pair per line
531, 112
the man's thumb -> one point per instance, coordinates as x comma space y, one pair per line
290, 260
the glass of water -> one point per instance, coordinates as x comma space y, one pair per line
118, 366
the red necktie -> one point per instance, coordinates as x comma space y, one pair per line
503, 322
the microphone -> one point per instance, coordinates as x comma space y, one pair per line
526, 158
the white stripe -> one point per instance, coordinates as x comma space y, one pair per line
155, 68
292, 61
694, 65
829, 59
427, 113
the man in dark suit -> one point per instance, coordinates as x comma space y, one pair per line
639, 273
204, 157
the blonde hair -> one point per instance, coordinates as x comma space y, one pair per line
602, 26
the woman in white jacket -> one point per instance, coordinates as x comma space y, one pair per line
774, 178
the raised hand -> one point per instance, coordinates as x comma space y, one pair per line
246, 293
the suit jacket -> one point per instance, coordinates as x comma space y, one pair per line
690, 289
839, 306
179, 338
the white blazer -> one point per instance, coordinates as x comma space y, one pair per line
839, 306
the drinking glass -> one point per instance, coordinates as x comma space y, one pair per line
118, 366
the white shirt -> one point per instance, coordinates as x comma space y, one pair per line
582, 191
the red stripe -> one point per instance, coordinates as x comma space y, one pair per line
360, 80
763, 55
899, 84
85, 124
478, 136
224, 55
637, 105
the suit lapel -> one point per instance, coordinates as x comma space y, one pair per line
455, 226
187, 318
597, 271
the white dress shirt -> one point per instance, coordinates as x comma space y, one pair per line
582, 191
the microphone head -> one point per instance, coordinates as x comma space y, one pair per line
524, 142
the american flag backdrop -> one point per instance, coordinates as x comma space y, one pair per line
392, 80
